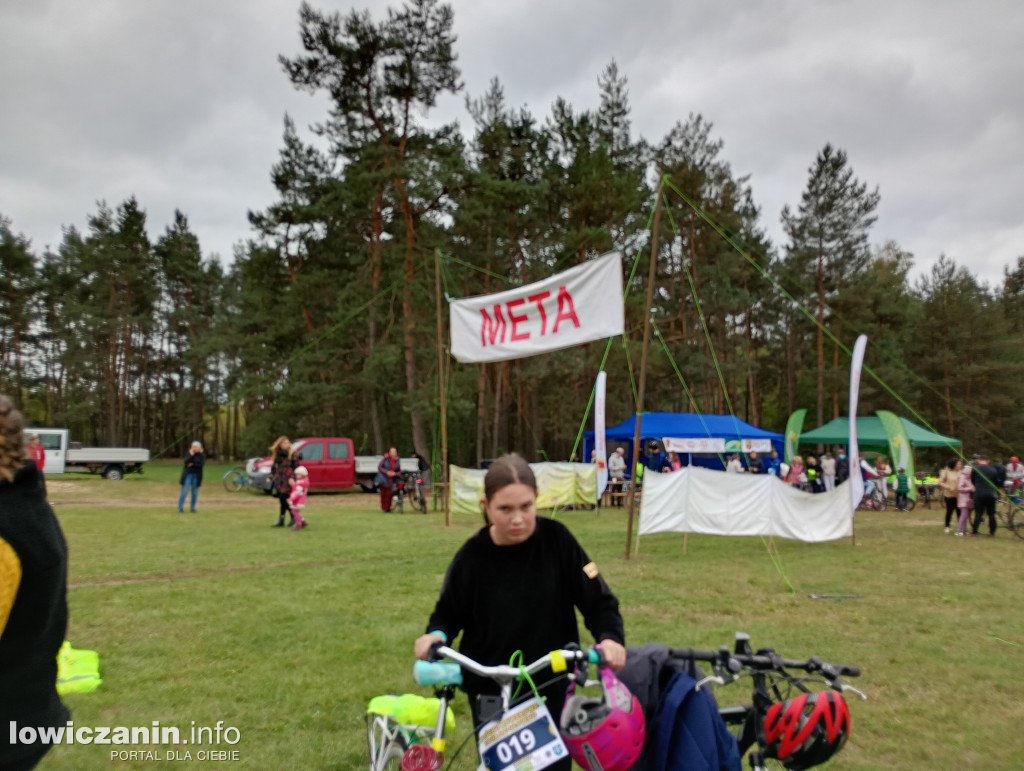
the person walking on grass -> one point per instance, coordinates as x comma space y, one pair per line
281, 474
516, 585
191, 476
949, 479
389, 471
964, 498
986, 485
297, 497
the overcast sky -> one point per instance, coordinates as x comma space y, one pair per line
181, 103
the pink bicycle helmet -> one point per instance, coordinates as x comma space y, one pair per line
605, 733
808, 730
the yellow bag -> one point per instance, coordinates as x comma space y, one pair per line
78, 671
411, 709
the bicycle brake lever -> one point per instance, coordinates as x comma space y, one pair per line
711, 679
844, 688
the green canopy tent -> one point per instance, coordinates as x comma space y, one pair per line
871, 433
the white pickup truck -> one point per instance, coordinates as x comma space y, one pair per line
63, 455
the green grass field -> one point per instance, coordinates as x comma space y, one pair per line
215, 616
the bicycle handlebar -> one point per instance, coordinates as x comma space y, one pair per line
734, 662
426, 672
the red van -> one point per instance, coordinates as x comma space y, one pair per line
331, 462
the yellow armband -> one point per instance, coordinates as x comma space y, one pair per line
10, 580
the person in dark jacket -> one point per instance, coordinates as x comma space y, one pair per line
281, 474
389, 471
192, 475
33, 599
986, 488
654, 459
516, 585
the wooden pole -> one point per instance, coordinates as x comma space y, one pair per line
643, 368
442, 387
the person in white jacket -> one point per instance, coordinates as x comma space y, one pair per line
616, 473
735, 465
828, 471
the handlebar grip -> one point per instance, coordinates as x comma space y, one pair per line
437, 673
594, 656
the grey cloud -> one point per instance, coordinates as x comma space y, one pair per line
181, 103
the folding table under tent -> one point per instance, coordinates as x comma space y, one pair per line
683, 425
871, 434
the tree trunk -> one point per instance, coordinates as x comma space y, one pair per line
481, 410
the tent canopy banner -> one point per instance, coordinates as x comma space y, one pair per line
576, 306
699, 500
558, 484
871, 433
715, 445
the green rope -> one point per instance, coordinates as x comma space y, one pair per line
608, 346
686, 390
777, 563
516, 660
813, 319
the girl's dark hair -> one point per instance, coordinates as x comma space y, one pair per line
951, 464
12, 447
507, 470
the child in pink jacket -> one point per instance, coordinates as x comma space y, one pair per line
297, 497
964, 498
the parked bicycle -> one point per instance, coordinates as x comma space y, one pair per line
1010, 508
409, 485
524, 732
788, 721
874, 501
236, 479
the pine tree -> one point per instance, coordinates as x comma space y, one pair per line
828, 238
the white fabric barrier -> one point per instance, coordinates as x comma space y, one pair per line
700, 500
558, 484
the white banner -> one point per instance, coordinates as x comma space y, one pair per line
700, 500
693, 444
599, 440
715, 445
853, 451
573, 307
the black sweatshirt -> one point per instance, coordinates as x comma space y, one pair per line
523, 597
39, 616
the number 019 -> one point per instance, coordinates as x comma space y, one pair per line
515, 746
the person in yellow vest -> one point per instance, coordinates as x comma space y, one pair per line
33, 601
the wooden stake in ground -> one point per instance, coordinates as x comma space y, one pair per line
643, 369
442, 388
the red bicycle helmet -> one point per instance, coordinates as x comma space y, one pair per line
808, 730
606, 733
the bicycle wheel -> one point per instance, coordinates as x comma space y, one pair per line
1017, 520
385, 743
1003, 514
396, 501
234, 480
419, 500
911, 503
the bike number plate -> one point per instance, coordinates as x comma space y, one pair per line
524, 738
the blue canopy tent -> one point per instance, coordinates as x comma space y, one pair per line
682, 425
